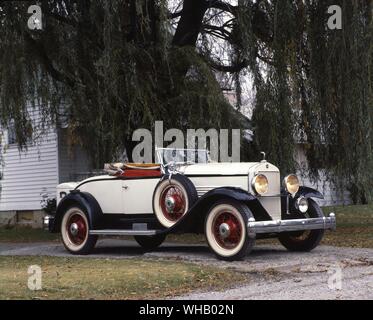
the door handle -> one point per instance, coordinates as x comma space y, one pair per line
125, 187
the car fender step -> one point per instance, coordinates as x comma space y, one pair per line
111, 232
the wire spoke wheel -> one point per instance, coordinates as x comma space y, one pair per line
225, 230
173, 202
75, 231
172, 199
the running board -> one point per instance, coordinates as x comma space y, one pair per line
111, 232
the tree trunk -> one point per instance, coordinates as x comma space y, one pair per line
190, 23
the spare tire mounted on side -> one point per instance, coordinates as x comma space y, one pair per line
172, 198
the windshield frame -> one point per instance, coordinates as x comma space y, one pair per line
161, 159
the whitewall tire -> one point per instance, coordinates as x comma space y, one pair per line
226, 230
75, 231
173, 198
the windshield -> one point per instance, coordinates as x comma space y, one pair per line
167, 155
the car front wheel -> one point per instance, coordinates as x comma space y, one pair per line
226, 231
304, 240
75, 232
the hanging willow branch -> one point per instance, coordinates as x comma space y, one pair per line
119, 65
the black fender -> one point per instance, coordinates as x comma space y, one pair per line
84, 200
193, 220
288, 202
308, 192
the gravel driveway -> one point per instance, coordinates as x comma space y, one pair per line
273, 273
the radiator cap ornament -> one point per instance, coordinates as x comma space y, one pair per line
264, 156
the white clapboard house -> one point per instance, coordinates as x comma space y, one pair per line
332, 195
31, 175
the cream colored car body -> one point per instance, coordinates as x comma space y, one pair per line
134, 196
209, 176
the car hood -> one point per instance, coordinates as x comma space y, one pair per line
226, 168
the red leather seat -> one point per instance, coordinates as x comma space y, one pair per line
141, 173
134, 170
141, 170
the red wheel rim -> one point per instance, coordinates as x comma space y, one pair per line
227, 230
172, 202
77, 229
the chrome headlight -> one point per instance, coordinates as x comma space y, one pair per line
260, 184
291, 184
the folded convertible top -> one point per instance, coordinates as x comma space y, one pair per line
120, 168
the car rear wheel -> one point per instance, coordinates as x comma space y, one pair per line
226, 230
173, 198
304, 240
150, 242
75, 231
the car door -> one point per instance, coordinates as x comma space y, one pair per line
107, 192
137, 195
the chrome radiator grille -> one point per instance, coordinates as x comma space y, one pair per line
273, 182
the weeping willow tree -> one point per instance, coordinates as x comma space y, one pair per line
110, 67
318, 91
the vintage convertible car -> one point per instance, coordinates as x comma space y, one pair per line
231, 203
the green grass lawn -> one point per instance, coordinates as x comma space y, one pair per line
26, 234
77, 278
354, 226
354, 229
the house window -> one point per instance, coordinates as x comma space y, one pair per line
12, 138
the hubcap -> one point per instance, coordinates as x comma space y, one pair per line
170, 204
74, 229
227, 230
77, 230
224, 230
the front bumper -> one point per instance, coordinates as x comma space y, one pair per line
277, 226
